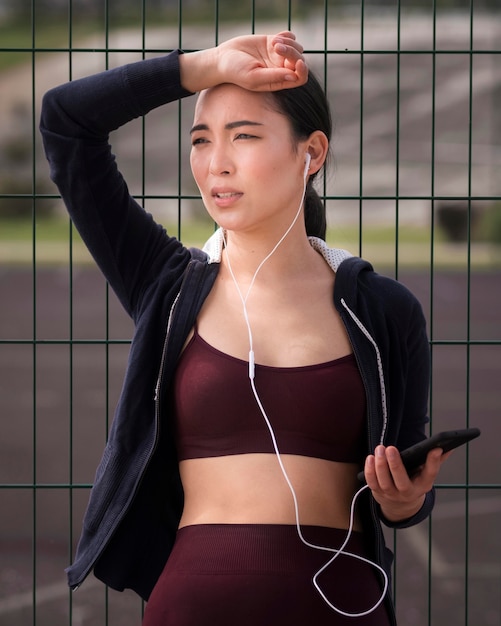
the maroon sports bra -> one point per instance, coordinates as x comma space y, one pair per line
316, 410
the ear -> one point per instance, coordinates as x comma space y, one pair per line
317, 146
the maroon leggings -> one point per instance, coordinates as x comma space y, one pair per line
260, 575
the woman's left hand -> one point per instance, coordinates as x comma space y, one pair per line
254, 62
263, 63
399, 496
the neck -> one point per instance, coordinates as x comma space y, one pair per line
259, 258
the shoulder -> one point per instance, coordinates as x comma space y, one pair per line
357, 281
373, 295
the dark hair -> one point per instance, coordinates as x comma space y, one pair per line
308, 110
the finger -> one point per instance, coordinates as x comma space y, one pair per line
399, 474
296, 72
286, 33
288, 51
432, 466
287, 38
382, 468
301, 71
274, 79
424, 479
282, 43
370, 472
446, 455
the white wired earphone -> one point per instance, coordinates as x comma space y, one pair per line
336, 551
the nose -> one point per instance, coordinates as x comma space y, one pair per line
220, 163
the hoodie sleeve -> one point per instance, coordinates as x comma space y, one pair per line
397, 377
414, 383
76, 120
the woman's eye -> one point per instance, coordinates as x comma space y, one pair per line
198, 140
245, 136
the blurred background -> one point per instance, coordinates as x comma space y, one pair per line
414, 187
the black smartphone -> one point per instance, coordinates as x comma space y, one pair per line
415, 456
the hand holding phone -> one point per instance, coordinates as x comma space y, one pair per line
415, 456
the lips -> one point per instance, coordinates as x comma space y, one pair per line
224, 192
225, 196
228, 194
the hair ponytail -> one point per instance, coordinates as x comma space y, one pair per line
314, 213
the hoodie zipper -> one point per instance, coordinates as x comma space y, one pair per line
195, 291
384, 409
164, 353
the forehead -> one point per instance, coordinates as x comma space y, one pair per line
229, 102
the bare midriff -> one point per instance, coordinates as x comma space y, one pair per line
251, 489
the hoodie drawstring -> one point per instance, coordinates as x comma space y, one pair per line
379, 365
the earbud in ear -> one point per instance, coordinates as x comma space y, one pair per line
307, 161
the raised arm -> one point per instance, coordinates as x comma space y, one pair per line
78, 117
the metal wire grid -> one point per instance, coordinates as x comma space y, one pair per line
72, 486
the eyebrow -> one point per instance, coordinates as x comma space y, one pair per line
229, 126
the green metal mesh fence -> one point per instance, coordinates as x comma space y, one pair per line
415, 188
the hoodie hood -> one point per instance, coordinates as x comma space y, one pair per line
333, 256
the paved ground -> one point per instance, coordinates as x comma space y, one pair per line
56, 401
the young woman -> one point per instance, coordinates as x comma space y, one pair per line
265, 371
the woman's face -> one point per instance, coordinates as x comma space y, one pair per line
244, 161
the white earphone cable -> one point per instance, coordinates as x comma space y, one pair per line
336, 551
